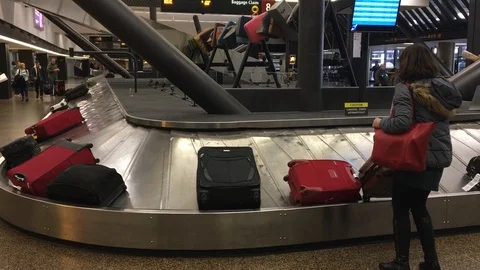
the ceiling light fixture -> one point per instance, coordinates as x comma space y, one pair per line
33, 47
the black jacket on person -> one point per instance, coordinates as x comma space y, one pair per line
40, 77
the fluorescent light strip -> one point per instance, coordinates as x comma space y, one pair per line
18, 42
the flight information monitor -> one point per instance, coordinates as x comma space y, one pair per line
235, 7
375, 15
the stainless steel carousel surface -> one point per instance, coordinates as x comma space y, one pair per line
159, 210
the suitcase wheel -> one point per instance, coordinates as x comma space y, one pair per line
286, 178
366, 199
256, 196
69, 140
203, 198
97, 160
89, 145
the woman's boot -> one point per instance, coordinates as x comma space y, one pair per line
427, 239
401, 233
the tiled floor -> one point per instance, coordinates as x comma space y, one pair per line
19, 250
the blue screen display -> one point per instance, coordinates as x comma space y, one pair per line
375, 15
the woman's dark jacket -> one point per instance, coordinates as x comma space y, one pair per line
435, 100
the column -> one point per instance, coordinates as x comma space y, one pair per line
310, 53
62, 65
153, 17
5, 89
473, 35
153, 13
446, 54
26, 56
43, 59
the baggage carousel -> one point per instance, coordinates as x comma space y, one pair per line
159, 210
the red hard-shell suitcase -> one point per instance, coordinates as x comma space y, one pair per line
251, 29
34, 175
322, 181
56, 123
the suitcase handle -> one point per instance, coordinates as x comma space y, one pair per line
19, 177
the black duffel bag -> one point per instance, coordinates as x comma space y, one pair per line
94, 185
20, 150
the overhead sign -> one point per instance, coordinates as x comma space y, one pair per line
39, 20
356, 108
235, 7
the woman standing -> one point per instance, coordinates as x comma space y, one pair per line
421, 97
22, 78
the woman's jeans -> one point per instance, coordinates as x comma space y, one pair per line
24, 91
404, 200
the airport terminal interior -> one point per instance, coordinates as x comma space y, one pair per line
160, 134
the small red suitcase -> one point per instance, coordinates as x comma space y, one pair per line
322, 181
251, 29
34, 175
55, 124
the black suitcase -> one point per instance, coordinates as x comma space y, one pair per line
20, 150
227, 178
473, 167
93, 185
76, 92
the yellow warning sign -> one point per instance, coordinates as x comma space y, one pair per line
356, 104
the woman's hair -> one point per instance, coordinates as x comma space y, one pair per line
417, 63
22, 65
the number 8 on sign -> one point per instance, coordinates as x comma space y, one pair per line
267, 5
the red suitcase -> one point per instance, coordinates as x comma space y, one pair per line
56, 123
34, 175
251, 28
322, 181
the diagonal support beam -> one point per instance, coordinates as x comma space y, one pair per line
153, 47
86, 45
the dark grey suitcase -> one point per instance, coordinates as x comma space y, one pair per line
20, 150
76, 92
93, 185
227, 178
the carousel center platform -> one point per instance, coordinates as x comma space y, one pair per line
160, 107
159, 210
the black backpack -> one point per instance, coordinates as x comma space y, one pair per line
473, 167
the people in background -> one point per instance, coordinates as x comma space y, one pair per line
21, 81
421, 97
12, 78
39, 78
52, 72
381, 76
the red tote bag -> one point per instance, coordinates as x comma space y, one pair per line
406, 151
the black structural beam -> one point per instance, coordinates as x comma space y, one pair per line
467, 80
154, 48
86, 45
415, 38
310, 56
473, 34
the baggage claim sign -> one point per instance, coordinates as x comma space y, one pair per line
235, 7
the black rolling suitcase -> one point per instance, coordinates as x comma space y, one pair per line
76, 92
20, 150
227, 178
93, 185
